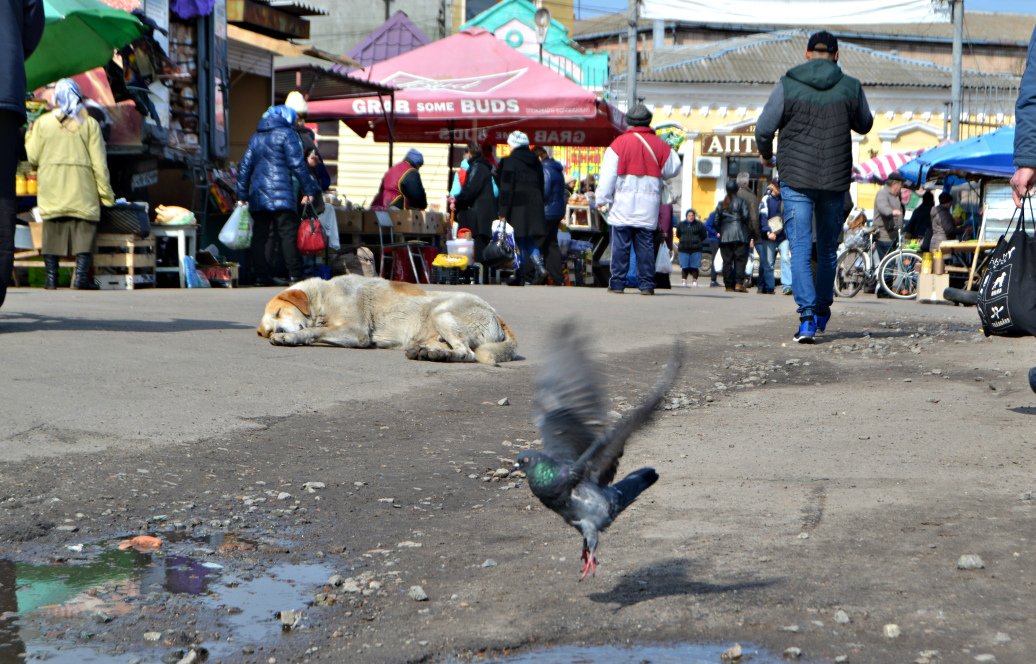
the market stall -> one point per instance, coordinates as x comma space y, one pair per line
472, 87
982, 165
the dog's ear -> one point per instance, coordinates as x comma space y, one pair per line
296, 297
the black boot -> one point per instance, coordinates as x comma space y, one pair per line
518, 278
83, 281
539, 269
51, 263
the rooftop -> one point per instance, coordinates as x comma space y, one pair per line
764, 58
394, 37
979, 27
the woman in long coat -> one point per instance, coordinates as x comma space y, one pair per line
521, 198
476, 201
67, 150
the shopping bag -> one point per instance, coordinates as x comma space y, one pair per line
237, 232
311, 240
329, 221
664, 260
1007, 292
717, 261
500, 253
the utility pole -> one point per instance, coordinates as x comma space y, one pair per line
631, 57
957, 8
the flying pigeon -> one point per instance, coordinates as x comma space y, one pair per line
572, 475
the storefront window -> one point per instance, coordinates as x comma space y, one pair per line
760, 175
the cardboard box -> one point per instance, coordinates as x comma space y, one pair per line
349, 221
931, 286
407, 222
224, 275
370, 222
434, 223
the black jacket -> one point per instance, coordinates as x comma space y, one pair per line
21, 27
733, 223
521, 193
476, 204
814, 106
692, 236
274, 154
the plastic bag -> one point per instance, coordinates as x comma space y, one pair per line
237, 232
664, 260
329, 221
717, 262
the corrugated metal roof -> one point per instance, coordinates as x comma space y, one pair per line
984, 27
764, 58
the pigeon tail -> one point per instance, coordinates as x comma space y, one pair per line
622, 494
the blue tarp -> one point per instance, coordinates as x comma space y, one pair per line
990, 155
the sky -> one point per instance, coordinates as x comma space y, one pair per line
587, 8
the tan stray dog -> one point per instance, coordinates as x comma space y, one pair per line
363, 312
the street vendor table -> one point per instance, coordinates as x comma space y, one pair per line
974, 248
186, 245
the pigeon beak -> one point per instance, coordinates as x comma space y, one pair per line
517, 466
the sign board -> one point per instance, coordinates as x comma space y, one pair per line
721, 145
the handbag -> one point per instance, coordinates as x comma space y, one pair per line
1007, 292
311, 240
500, 251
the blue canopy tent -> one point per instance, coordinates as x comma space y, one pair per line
989, 155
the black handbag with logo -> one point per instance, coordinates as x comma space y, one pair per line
499, 251
1007, 292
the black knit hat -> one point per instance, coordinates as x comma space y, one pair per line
823, 41
639, 116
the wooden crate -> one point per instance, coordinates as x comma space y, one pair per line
128, 255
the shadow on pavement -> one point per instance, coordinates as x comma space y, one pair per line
665, 579
14, 322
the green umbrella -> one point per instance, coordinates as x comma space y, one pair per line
79, 36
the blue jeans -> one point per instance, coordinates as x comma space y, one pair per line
784, 249
800, 206
767, 255
641, 240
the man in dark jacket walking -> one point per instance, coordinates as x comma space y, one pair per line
816, 107
264, 182
555, 199
21, 26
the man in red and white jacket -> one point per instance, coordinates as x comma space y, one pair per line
630, 184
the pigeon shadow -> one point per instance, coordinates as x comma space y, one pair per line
1023, 410
16, 322
666, 579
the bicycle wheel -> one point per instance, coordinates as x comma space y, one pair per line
850, 272
897, 274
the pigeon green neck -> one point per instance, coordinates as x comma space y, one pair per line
543, 472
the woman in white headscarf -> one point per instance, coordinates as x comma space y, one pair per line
67, 150
520, 179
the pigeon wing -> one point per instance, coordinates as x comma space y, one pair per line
569, 411
601, 459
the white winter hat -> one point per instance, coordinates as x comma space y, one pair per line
297, 102
517, 139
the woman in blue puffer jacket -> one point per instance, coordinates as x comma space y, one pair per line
266, 182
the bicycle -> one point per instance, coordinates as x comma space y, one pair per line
896, 273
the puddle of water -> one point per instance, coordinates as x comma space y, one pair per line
34, 599
680, 653
285, 587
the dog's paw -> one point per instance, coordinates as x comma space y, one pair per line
428, 353
281, 339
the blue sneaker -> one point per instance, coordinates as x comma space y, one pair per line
807, 330
821, 321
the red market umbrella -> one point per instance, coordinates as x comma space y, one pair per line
471, 86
